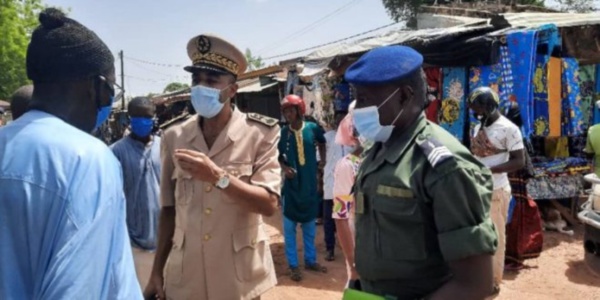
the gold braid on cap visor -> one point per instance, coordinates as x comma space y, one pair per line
217, 60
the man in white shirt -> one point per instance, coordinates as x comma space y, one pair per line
498, 143
334, 153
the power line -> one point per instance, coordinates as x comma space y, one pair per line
153, 63
307, 28
330, 43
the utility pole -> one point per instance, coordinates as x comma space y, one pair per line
122, 81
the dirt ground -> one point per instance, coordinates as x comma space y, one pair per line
559, 273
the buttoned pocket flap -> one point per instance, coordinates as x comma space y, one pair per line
249, 237
239, 170
178, 238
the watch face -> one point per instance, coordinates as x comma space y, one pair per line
223, 182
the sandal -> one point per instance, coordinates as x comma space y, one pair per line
295, 274
513, 267
316, 267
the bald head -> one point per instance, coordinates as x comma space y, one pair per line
20, 100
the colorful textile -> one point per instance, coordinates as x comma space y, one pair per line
554, 96
541, 125
557, 147
490, 76
453, 109
345, 173
537, 145
558, 187
521, 49
524, 237
596, 109
434, 84
587, 88
572, 123
576, 146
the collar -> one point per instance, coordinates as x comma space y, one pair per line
230, 133
401, 143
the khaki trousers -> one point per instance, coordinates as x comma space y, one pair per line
499, 214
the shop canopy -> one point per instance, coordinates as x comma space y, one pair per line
464, 45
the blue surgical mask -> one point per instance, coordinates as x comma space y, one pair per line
366, 121
103, 113
206, 101
142, 127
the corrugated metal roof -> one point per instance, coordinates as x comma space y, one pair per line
255, 87
532, 20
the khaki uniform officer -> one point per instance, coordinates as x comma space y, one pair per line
423, 228
220, 174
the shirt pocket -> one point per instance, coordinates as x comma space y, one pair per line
242, 171
252, 256
184, 187
399, 229
174, 271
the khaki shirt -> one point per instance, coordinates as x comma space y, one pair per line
422, 203
220, 249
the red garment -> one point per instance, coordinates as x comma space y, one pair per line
434, 93
524, 237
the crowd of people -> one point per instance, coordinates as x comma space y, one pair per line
416, 213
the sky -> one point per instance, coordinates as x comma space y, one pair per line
153, 34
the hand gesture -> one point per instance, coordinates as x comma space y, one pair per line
197, 164
289, 172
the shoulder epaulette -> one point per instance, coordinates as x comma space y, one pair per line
262, 119
435, 151
175, 121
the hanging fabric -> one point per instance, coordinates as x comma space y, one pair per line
434, 84
554, 95
587, 88
540, 97
557, 147
571, 99
596, 108
521, 50
490, 76
453, 108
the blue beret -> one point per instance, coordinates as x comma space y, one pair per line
384, 65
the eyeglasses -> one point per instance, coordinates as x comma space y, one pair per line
110, 85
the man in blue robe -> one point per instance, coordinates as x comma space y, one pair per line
139, 154
62, 210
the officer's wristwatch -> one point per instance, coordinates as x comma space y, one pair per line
223, 181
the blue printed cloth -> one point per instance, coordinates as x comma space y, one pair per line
596, 109
521, 49
454, 108
540, 97
573, 123
587, 88
489, 76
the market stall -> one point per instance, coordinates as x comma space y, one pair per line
535, 59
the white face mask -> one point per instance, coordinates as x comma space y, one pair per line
206, 101
366, 121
